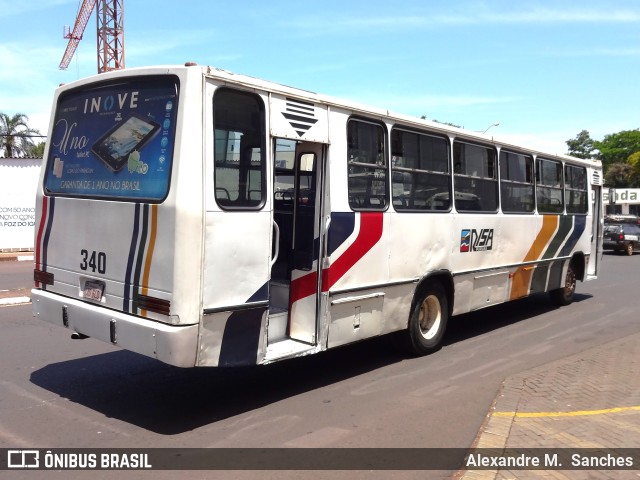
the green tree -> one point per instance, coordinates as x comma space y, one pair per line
618, 175
617, 147
581, 146
16, 137
38, 150
634, 161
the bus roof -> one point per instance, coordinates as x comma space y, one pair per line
407, 120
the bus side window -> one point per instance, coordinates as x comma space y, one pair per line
576, 189
420, 171
516, 182
549, 190
239, 158
476, 184
367, 165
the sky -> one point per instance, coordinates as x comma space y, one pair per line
543, 69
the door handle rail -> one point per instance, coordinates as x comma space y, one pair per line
276, 241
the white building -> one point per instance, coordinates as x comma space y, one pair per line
622, 201
18, 183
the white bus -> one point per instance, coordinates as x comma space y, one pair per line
205, 218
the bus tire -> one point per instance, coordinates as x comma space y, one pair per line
564, 295
428, 319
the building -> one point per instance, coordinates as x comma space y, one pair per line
18, 183
622, 201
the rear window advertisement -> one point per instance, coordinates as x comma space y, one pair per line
114, 141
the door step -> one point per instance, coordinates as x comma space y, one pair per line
277, 329
288, 349
279, 295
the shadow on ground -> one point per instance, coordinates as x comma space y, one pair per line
169, 400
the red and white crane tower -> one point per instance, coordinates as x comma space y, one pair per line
110, 39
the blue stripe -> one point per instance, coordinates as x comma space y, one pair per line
142, 245
241, 338
261, 295
342, 226
132, 252
579, 224
47, 232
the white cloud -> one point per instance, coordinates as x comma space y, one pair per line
467, 15
154, 43
11, 7
549, 142
27, 81
600, 52
414, 104
541, 16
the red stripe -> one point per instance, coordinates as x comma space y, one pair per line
43, 221
369, 234
303, 287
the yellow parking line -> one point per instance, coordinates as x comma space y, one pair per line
577, 413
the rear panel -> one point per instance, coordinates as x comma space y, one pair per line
107, 253
118, 246
110, 141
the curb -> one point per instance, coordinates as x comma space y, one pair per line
20, 257
522, 394
14, 301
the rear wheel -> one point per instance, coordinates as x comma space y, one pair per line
564, 295
629, 249
428, 319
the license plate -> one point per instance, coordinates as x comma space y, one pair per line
93, 290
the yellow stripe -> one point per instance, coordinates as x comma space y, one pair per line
152, 244
521, 278
577, 413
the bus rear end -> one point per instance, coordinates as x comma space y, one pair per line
113, 258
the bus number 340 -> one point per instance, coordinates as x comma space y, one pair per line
95, 261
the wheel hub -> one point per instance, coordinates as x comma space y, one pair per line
430, 316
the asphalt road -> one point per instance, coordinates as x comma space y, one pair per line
16, 275
56, 392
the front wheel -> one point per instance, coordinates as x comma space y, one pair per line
564, 295
428, 320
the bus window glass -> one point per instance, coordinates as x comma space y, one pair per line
367, 166
239, 154
549, 186
306, 177
516, 182
420, 171
114, 141
284, 161
576, 188
475, 179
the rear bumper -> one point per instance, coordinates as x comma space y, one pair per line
175, 345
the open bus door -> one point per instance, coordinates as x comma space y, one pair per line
296, 262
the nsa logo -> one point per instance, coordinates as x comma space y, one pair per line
465, 240
301, 115
472, 240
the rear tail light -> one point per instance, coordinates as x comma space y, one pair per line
43, 278
153, 304
621, 237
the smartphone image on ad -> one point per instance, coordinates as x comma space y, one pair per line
114, 147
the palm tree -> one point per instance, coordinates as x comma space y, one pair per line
38, 150
16, 135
